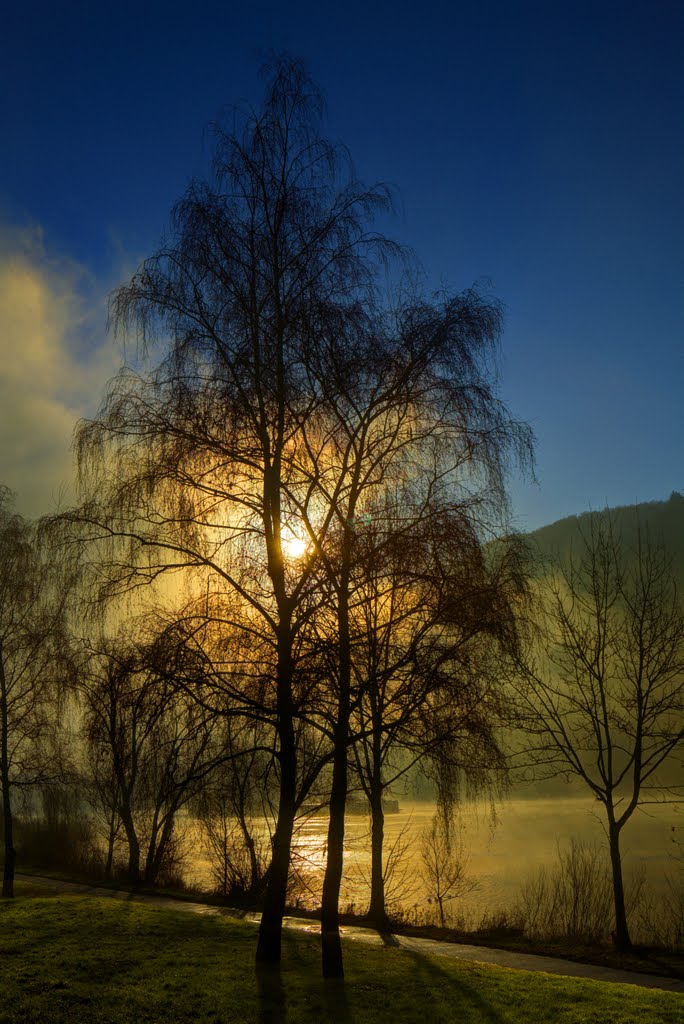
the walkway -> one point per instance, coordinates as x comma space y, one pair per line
457, 951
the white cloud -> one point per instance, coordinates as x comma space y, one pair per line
55, 360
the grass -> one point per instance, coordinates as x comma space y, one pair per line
648, 960
82, 959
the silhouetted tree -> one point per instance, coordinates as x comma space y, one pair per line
433, 615
150, 746
407, 404
287, 397
32, 666
194, 463
601, 690
444, 865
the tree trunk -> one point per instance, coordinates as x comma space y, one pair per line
270, 929
8, 821
254, 873
111, 839
331, 945
159, 842
330, 910
621, 936
132, 840
376, 911
150, 871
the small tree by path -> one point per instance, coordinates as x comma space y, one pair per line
444, 867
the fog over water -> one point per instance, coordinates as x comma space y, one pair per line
503, 847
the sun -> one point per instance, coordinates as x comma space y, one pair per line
294, 547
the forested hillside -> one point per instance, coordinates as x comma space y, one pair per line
662, 521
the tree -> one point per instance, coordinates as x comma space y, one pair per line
407, 406
444, 867
431, 631
194, 463
32, 660
150, 746
601, 690
288, 395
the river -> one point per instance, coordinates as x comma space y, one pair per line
501, 849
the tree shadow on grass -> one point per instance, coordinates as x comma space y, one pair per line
335, 1001
462, 997
270, 995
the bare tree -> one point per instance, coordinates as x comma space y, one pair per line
434, 613
233, 807
32, 663
287, 397
193, 463
408, 408
444, 865
601, 691
150, 741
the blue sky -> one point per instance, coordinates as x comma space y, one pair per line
535, 145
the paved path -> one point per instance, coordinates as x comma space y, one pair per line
457, 951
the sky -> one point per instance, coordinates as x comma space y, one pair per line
534, 146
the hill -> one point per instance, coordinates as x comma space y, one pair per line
661, 521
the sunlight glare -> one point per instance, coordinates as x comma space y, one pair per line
294, 547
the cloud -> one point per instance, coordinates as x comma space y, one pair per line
55, 360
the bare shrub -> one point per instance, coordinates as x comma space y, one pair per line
573, 899
304, 878
400, 881
501, 923
673, 912
660, 919
238, 854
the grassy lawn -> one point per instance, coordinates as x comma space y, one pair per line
81, 959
